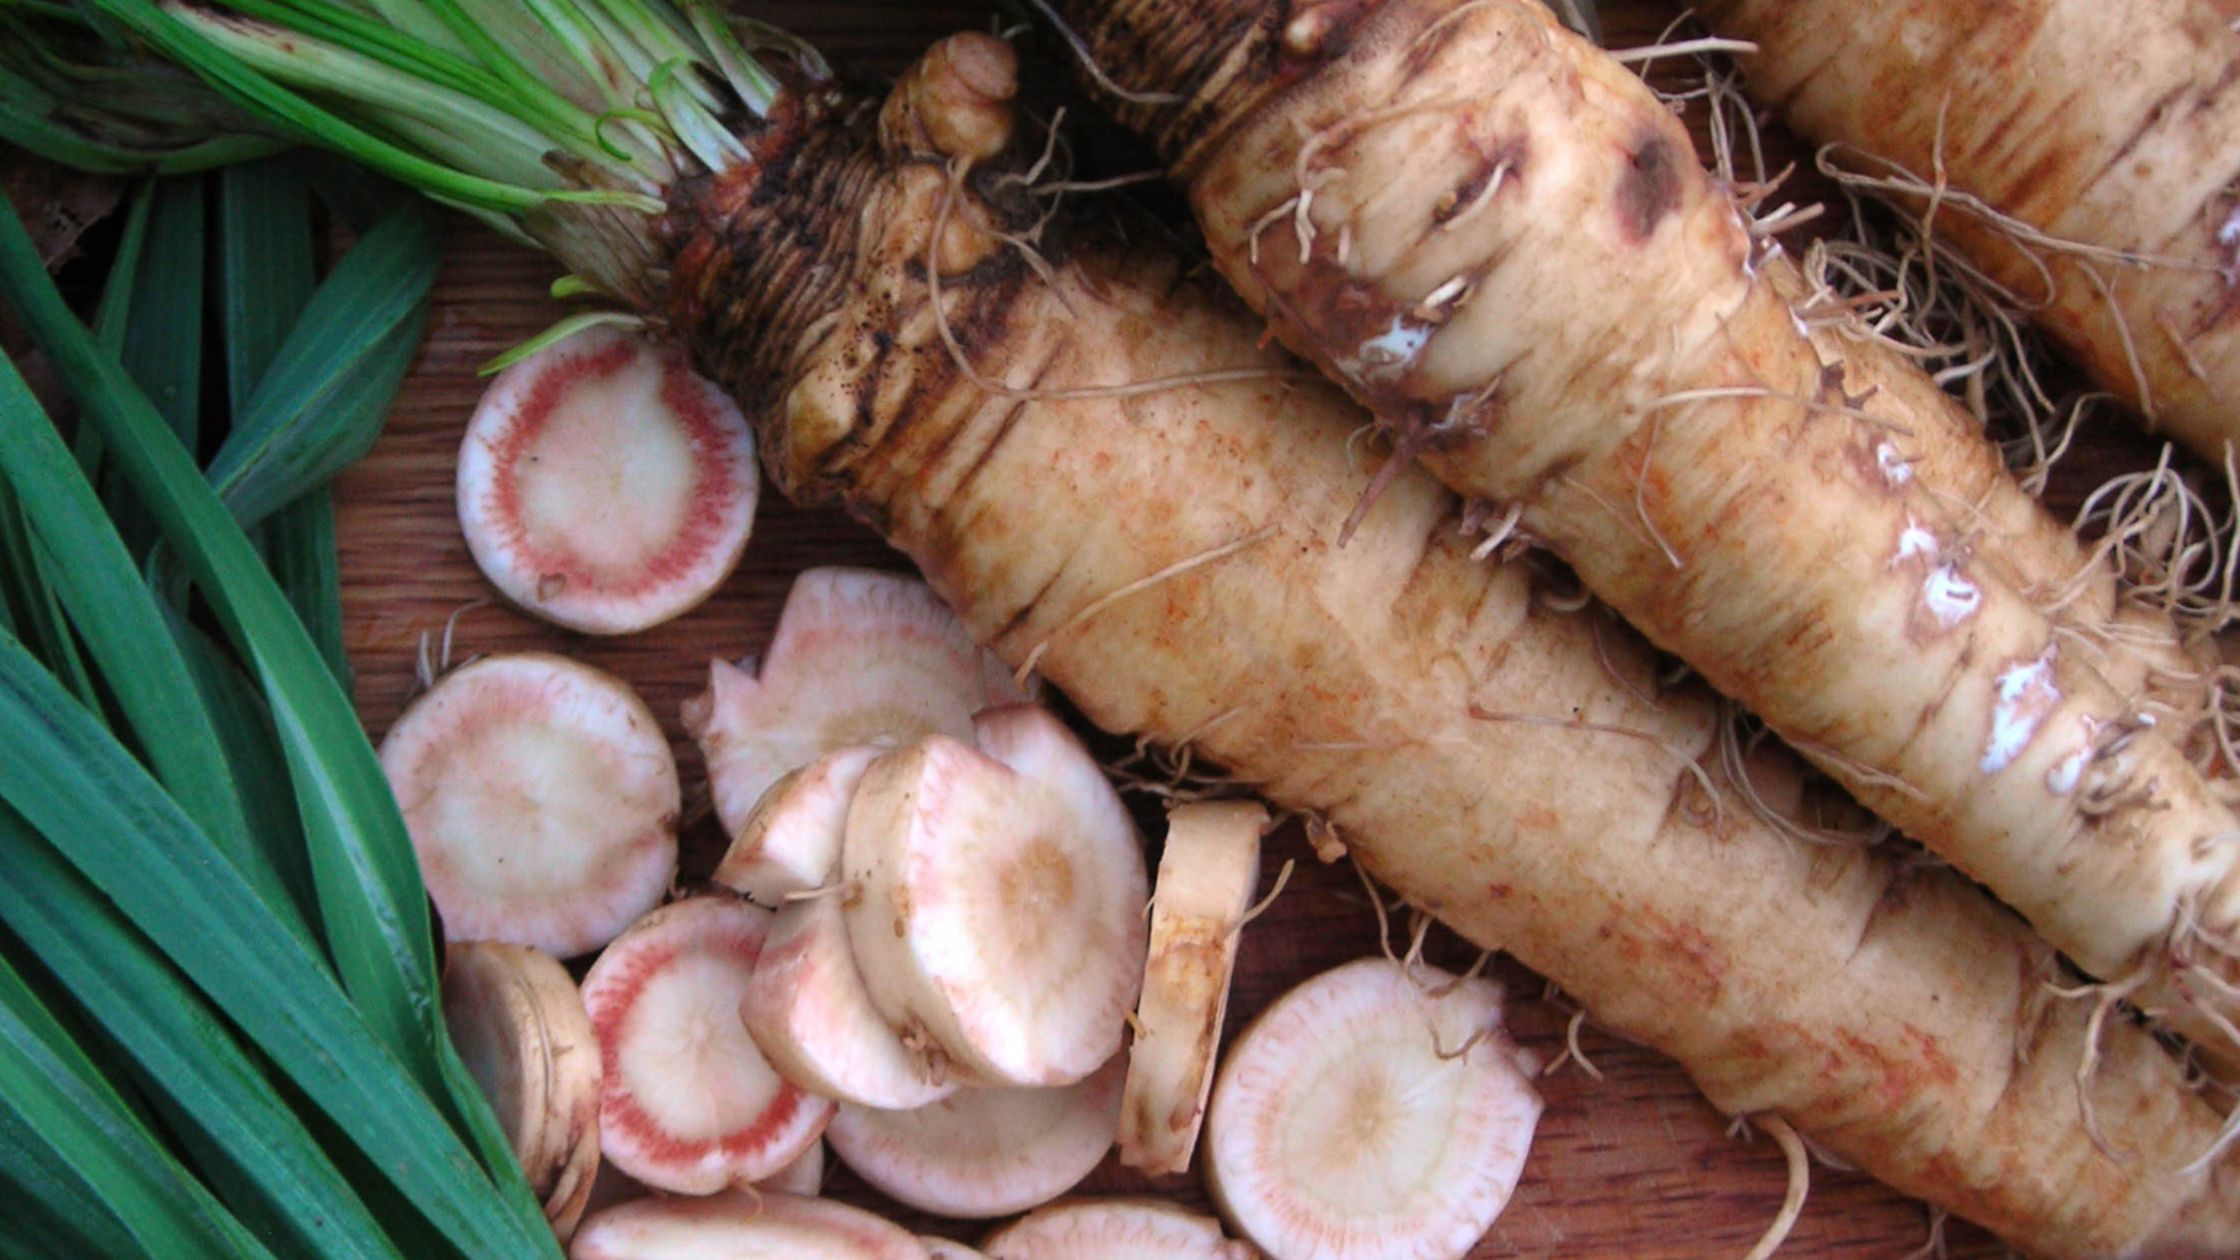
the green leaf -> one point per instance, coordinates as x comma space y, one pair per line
89, 800
111, 318
32, 1176
371, 902
53, 1098
118, 619
323, 399
162, 342
300, 547
264, 267
33, 606
182, 1048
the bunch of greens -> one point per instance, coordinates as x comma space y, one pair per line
219, 1025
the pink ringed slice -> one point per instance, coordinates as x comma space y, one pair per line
541, 798
604, 486
1114, 1229
689, 1104
742, 1225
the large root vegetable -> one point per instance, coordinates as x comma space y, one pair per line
1501, 241
1091, 457
2094, 171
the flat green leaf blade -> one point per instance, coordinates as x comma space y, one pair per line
265, 274
32, 1176
96, 806
123, 629
300, 546
181, 1047
371, 902
322, 401
162, 345
53, 1098
35, 611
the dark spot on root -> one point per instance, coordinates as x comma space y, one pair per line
1648, 187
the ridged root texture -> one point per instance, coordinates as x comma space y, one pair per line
1501, 242
1169, 554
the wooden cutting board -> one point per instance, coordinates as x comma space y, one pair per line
1629, 1163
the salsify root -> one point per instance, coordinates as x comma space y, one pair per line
1609, 341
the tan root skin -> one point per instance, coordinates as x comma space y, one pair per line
1760, 538
1879, 1010
1205, 883
2112, 125
519, 1024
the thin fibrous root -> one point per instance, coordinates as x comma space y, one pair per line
1800, 1183
1109, 598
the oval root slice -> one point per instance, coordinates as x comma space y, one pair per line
804, 1176
541, 798
519, 1025
982, 1153
859, 657
999, 900
689, 1104
809, 1010
790, 842
604, 486
949, 1249
742, 1225
1206, 877
1361, 1115
1114, 1229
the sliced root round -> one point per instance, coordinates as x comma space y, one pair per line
1206, 877
1363, 1116
809, 1010
983, 1153
519, 1024
804, 1176
1000, 905
689, 1104
542, 801
605, 487
741, 1225
790, 843
947, 1249
859, 657
1114, 1229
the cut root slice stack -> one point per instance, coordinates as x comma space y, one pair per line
689, 1104
520, 1026
604, 486
542, 801
983, 1153
1206, 877
1116, 1229
790, 843
859, 657
1372, 1111
741, 1225
998, 898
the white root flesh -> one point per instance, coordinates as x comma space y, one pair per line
1115, 1229
741, 1225
604, 486
983, 1153
790, 843
1371, 1113
1000, 912
859, 657
690, 1105
542, 801
519, 1024
1204, 891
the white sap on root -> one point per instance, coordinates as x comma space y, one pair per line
859, 657
1897, 470
2025, 695
1390, 352
541, 798
1916, 541
1949, 596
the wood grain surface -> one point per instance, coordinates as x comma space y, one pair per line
1628, 1163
